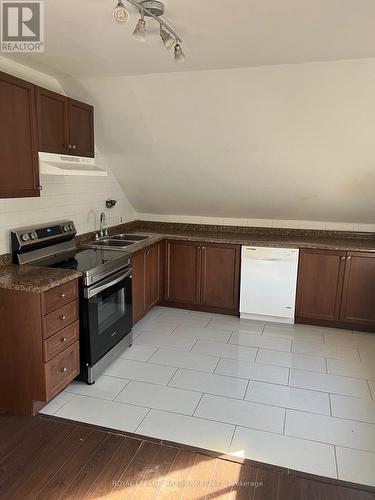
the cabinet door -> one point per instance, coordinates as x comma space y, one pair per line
52, 113
319, 288
81, 128
358, 301
182, 273
19, 172
152, 276
138, 286
220, 276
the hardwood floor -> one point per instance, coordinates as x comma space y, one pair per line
49, 458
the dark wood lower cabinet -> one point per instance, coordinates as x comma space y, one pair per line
147, 282
153, 275
220, 276
319, 289
202, 276
36, 361
358, 299
336, 289
138, 286
182, 272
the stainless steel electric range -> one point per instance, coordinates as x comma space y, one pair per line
105, 290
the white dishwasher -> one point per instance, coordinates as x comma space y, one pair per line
268, 283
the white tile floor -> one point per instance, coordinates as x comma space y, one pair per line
296, 396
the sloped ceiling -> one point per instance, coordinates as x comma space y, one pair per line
238, 131
279, 142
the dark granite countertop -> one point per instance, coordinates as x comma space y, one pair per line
39, 279
33, 278
346, 241
344, 244
253, 239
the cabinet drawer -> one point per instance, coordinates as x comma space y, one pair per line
61, 370
59, 319
59, 296
60, 341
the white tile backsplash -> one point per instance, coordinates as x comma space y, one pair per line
80, 199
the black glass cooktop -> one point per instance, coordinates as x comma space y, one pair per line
87, 260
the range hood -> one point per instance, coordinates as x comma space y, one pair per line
54, 164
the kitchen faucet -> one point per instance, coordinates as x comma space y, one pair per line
103, 226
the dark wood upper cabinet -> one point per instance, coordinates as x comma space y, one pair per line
220, 276
19, 171
182, 272
65, 126
320, 281
358, 299
53, 130
35, 119
81, 128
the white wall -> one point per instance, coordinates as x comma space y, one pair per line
280, 143
80, 199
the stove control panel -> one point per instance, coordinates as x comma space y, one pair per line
42, 235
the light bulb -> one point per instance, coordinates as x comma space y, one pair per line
120, 14
179, 56
168, 40
140, 31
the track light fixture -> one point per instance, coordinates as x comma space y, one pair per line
179, 56
140, 30
153, 9
167, 38
120, 13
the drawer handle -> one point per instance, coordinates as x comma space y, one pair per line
63, 317
63, 370
62, 295
64, 339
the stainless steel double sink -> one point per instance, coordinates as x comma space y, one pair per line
118, 241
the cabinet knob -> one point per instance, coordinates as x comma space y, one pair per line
349, 258
74, 146
64, 339
69, 146
62, 295
63, 317
343, 258
63, 370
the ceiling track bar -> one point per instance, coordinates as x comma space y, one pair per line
160, 21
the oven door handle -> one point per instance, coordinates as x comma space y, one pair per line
91, 292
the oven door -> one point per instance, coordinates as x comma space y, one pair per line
107, 309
